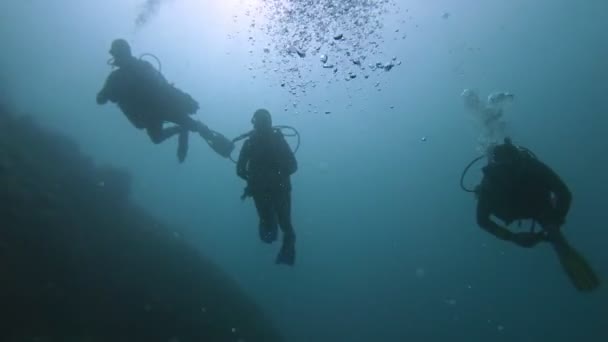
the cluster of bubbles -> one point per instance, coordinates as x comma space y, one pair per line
489, 115
300, 43
341, 40
146, 11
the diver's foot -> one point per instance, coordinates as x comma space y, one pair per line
268, 235
220, 144
203, 129
287, 254
181, 155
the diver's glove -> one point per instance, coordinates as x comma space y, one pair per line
527, 239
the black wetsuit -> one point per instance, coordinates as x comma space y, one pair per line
148, 101
266, 162
524, 189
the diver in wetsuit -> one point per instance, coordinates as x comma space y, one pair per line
149, 101
266, 162
517, 186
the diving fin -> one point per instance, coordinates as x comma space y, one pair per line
219, 143
182, 146
287, 254
574, 264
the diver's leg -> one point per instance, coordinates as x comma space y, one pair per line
219, 143
268, 224
192, 125
158, 134
281, 201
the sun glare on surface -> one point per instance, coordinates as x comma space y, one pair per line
231, 7
228, 11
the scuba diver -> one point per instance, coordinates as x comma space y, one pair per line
517, 186
266, 162
149, 101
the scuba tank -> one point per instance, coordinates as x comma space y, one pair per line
294, 133
498, 154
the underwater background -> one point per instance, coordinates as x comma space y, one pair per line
388, 247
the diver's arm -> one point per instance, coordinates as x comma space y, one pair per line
104, 94
486, 223
244, 156
522, 239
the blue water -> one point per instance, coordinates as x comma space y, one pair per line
388, 247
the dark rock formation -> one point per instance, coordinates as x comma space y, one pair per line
80, 262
